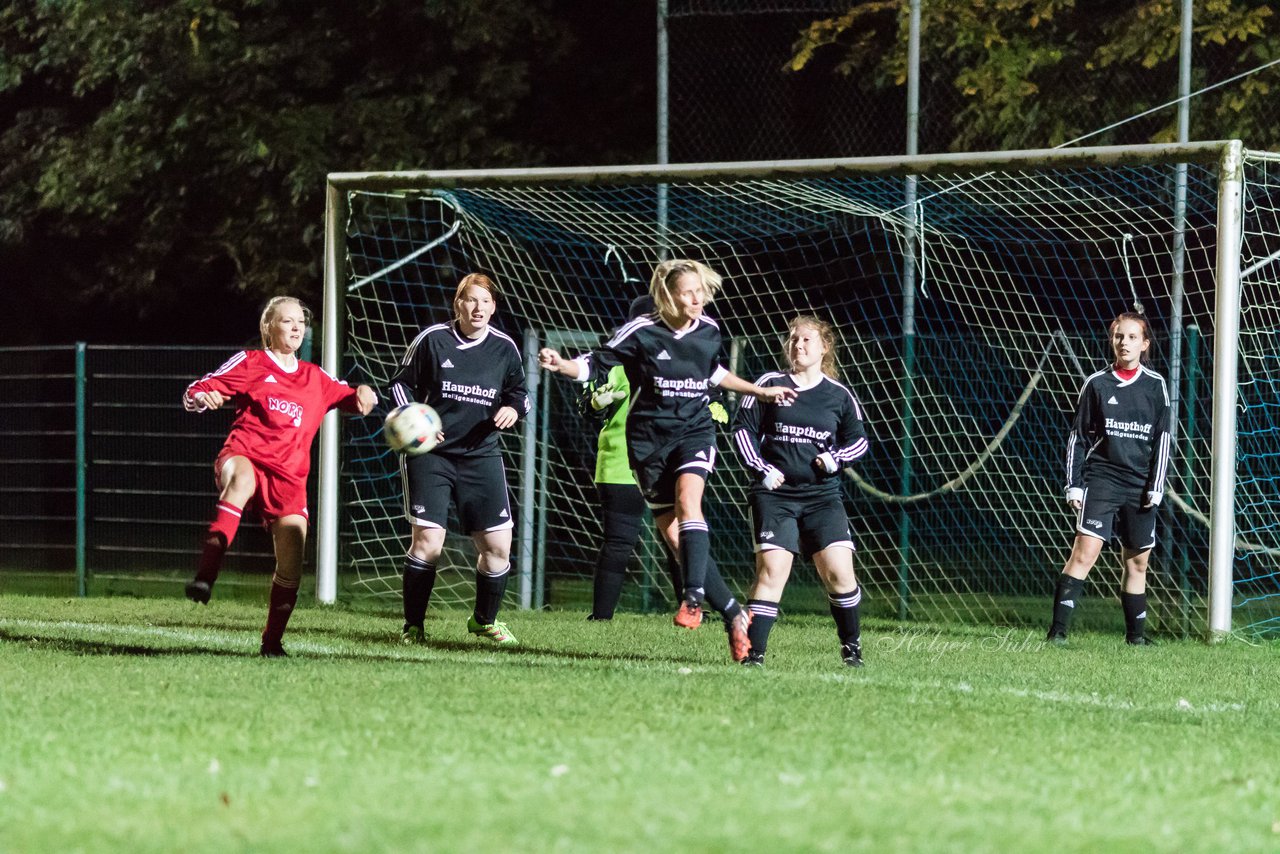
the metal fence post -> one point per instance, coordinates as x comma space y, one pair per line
82, 583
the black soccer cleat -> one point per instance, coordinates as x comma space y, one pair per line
753, 659
199, 591
1140, 640
851, 654
1056, 638
272, 650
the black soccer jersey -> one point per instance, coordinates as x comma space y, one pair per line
824, 417
669, 372
1121, 431
466, 380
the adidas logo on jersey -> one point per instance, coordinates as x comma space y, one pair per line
270, 379
664, 355
1113, 399
503, 514
446, 364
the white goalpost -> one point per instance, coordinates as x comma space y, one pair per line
967, 318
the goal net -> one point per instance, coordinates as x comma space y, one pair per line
969, 308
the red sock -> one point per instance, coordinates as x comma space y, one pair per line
284, 595
222, 531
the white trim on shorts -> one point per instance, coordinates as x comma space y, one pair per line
707, 464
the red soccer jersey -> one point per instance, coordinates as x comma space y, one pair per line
278, 411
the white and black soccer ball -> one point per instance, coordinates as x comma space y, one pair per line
412, 429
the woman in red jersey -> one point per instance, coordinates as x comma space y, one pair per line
279, 402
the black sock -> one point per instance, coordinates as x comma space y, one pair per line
844, 609
695, 553
606, 589
1135, 614
418, 581
489, 590
622, 513
763, 615
674, 572
718, 594
1066, 598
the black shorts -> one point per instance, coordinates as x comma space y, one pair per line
1111, 511
477, 485
803, 525
657, 475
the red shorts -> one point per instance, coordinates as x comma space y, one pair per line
274, 497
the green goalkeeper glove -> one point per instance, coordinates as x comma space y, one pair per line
719, 414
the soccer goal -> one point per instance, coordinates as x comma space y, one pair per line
971, 293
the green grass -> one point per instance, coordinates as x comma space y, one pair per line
151, 725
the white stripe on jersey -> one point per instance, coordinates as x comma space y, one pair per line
227, 365
625, 330
702, 318
189, 403
857, 407
1162, 464
749, 401
852, 452
505, 337
749, 453
399, 393
413, 345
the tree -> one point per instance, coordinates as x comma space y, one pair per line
1012, 74
159, 158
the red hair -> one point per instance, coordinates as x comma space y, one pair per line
480, 280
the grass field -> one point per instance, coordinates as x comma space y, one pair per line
151, 725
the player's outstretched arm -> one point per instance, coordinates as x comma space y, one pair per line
551, 360
764, 394
202, 401
366, 399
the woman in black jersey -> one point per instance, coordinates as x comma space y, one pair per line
671, 358
473, 376
1117, 460
796, 451
622, 504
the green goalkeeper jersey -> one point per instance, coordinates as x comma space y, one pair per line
612, 465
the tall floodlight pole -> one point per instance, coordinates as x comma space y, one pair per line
663, 123
909, 309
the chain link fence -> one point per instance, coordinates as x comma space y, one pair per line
124, 512
733, 97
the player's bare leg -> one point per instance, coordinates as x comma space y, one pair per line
1066, 596
289, 534
1133, 596
493, 569
773, 569
835, 569
419, 580
239, 481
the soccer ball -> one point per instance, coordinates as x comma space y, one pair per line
412, 429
